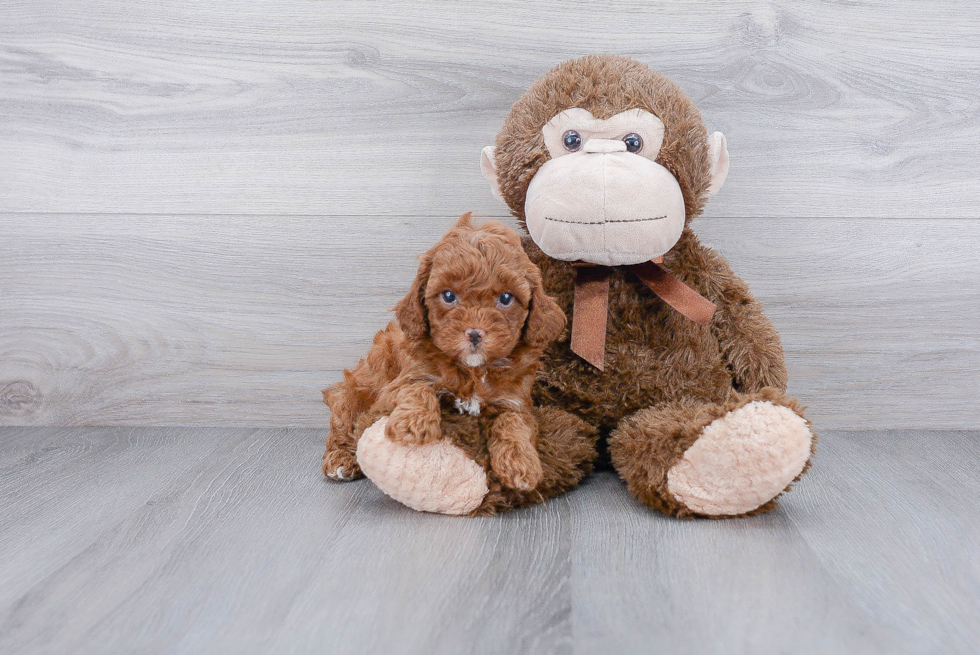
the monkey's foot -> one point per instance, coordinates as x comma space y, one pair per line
742, 460
435, 477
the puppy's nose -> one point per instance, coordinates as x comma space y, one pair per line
475, 335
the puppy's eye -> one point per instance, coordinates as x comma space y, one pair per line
633, 142
506, 299
448, 297
572, 140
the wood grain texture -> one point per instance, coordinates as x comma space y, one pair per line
873, 552
647, 583
255, 551
102, 475
862, 109
498, 585
243, 547
912, 502
241, 320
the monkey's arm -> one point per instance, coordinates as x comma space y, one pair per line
749, 341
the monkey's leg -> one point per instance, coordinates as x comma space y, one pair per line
453, 476
716, 460
429, 477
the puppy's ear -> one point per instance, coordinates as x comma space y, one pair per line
410, 310
466, 220
545, 319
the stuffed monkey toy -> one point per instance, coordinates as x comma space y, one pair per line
667, 356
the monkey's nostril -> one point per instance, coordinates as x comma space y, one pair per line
475, 335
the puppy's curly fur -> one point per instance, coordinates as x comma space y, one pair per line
468, 337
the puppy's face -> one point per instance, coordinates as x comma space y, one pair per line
478, 296
477, 305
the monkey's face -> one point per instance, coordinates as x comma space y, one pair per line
605, 161
603, 197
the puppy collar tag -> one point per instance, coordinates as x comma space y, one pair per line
591, 304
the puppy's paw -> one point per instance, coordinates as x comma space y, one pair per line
341, 465
411, 426
517, 465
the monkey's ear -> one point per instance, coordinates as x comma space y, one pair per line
410, 311
489, 167
718, 153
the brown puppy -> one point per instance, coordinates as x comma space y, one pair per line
468, 337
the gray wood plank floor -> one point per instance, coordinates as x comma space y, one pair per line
175, 540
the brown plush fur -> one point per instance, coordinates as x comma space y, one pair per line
566, 447
427, 355
604, 85
664, 356
649, 442
665, 376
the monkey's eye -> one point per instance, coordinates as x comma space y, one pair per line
506, 299
633, 142
448, 297
572, 140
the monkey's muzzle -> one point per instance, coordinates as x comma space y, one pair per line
604, 206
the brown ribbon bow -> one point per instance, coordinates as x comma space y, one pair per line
591, 306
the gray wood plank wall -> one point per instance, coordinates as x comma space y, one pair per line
206, 209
